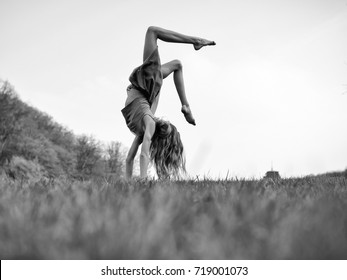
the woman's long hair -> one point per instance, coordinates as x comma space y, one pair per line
166, 150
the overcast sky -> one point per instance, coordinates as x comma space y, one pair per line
272, 91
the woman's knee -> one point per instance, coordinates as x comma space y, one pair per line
171, 67
152, 30
177, 64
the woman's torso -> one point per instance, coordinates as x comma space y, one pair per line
136, 108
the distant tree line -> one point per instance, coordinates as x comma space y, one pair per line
34, 146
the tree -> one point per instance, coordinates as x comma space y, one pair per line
115, 158
30, 138
12, 111
88, 156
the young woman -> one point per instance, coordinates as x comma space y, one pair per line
160, 139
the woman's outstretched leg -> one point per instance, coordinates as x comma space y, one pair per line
175, 67
154, 33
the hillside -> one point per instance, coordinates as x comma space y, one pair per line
34, 146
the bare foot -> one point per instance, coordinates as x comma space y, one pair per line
202, 43
188, 114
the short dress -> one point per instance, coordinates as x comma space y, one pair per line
147, 79
134, 113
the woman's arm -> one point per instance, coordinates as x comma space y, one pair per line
147, 138
129, 163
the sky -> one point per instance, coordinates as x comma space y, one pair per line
271, 94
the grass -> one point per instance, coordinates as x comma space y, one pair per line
303, 218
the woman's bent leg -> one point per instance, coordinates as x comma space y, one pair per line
154, 33
176, 68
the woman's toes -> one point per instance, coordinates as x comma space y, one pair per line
188, 114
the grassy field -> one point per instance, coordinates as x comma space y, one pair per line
304, 218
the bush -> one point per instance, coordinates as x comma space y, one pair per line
22, 169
